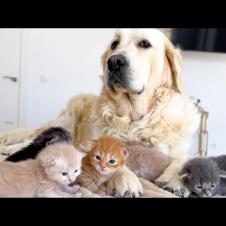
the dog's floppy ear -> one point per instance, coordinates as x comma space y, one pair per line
104, 58
174, 58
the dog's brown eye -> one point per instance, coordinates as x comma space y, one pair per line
114, 45
144, 44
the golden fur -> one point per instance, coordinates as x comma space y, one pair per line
162, 115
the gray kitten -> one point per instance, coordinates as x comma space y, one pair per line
205, 177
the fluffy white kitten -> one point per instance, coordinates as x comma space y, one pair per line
49, 175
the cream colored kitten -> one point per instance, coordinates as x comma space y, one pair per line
49, 175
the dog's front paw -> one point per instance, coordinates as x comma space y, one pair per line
2, 138
7, 150
4, 150
173, 185
124, 184
13, 148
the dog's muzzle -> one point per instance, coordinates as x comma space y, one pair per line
117, 71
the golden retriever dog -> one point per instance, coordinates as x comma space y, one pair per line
142, 100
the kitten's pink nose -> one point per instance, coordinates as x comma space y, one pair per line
71, 180
103, 165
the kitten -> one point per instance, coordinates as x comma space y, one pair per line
109, 154
205, 177
146, 162
49, 175
101, 162
50, 136
221, 161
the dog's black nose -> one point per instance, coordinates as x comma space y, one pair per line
116, 63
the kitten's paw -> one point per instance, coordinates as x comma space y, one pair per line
125, 184
173, 185
107, 196
103, 188
75, 189
101, 193
70, 189
77, 195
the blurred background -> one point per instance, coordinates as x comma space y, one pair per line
41, 69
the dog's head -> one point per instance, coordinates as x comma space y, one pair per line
141, 60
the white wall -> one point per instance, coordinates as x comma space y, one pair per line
205, 78
71, 60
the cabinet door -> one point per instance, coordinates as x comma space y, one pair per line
10, 51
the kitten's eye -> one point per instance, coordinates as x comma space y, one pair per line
64, 173
144, 44
98, 157
111, 161
114, 45
213, 186
76, 171
199, 187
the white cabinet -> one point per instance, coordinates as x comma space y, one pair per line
10, 51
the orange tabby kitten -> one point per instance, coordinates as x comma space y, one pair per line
49, 175
101, 162
109, 154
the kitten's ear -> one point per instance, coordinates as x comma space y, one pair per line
184, 173
47, 161
125, 152
222, 174
82, 154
